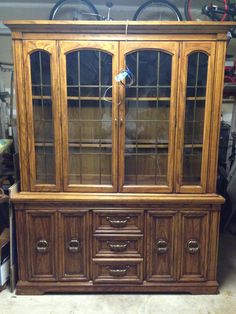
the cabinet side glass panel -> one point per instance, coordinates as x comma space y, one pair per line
194, 118
43, 117
89, 102
147, 118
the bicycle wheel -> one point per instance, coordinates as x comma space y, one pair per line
74, 10
194, 10
157, 10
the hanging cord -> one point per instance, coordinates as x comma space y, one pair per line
105, 95
126, 73
123, 74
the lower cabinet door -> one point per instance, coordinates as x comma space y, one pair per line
194, 246
74, 244
161, 246
41, 244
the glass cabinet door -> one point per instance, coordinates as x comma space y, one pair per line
195, 108
147, 117
89, 111
42, 106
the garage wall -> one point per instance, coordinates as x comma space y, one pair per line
35, 9
17, 9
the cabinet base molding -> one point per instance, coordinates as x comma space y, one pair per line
29, 288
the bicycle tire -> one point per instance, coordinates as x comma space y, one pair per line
162, 3
188, 11
92, 9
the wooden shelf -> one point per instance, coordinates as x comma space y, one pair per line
88, 98
89, 145
196, 98
42, 144
41, 97
147, 146
139, 99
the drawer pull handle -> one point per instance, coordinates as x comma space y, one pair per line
118, 222
118, 272
74, 246
162, 246
193, 246
42, 246
118, 247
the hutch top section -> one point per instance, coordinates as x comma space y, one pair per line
119, 27
88, 133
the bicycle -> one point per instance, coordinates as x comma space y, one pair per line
203, 10
85, 10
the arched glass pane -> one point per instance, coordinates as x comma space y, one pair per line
89, 79
43, 117
147, 106
194, 118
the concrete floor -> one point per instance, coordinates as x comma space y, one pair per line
224, 303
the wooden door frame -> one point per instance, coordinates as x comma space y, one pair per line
84, 215
172, 245
29, 47
171, 48
203, 238
107, 47
51, 215
187, 48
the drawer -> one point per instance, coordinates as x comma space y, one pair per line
118, 271
122, 245
118, 221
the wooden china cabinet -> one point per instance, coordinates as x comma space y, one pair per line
118, 179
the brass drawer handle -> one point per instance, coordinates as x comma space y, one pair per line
118, 222
118, 247
42, 246
162, 246
74, 246
118, 272
193, 246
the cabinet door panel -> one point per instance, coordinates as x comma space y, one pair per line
41, 243
43, 112
194, 246
147, 117
89, 95
161, 248
74, 244
195, 103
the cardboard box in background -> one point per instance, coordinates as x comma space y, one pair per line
4, 256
